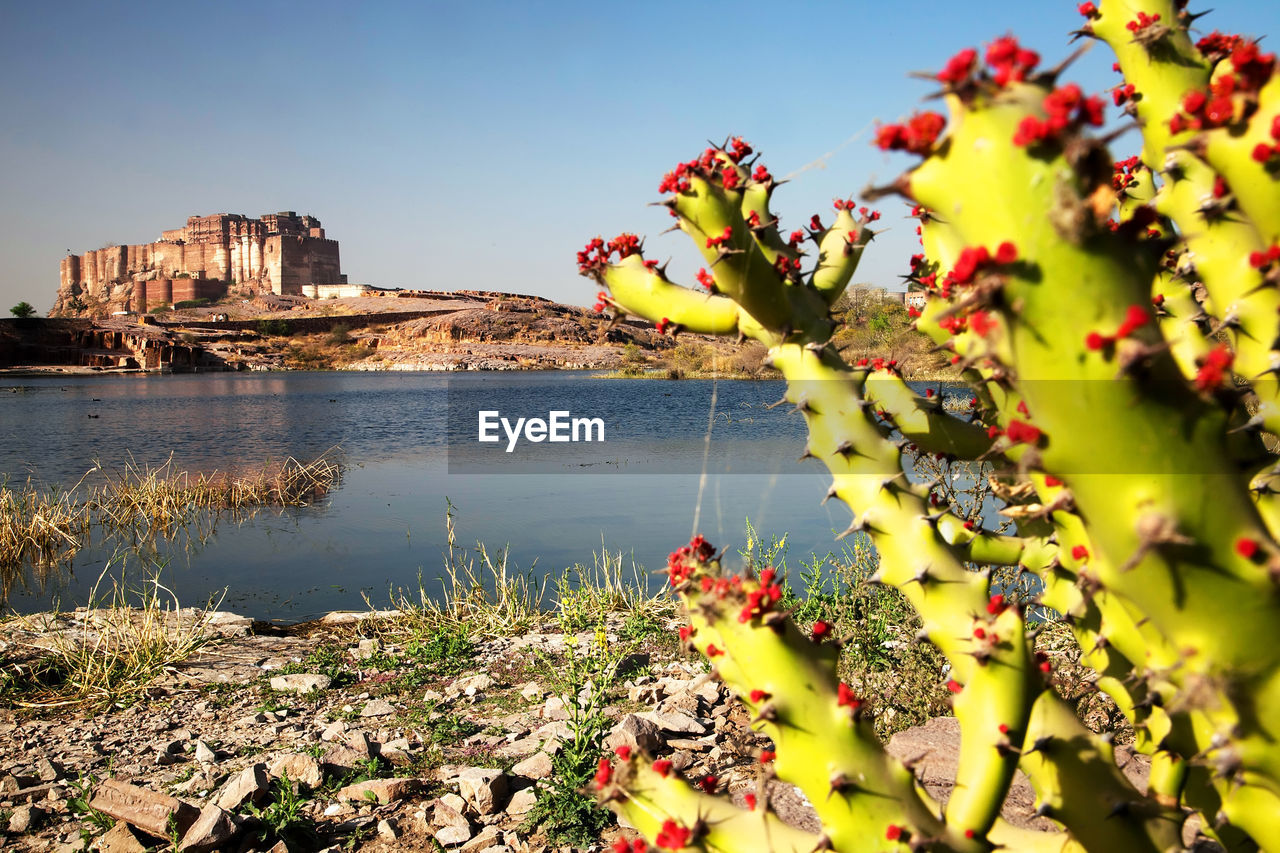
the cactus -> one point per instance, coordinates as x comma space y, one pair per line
1118, 323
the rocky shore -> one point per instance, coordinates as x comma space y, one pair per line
330, 736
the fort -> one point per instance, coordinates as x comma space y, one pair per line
283, 253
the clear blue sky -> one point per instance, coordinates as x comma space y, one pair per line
464, 144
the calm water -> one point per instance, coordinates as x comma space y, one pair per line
406, 451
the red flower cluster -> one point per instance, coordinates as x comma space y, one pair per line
597, 252
1022, 433
795, 238
785, 266
705, 279
959, 67
1135, 317
917, 136
760, 601
1123, 93
846, 698
1247, 548
662, 325
1216, 107
1262, 260
1214, 369
637, 846
673, 836
677, 180
890, 365
1010, 62
602, 300
761, 174
997, 605
1088, 10
1217, 45
975, 259
604, 772
662, 767
1142, 22
678, 569
738, 149
1064, 105
821, 630
724, 237
1123, 173
1264, 153
708, 783
729, 177
759, 696
753, 219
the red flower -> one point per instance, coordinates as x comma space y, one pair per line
750, 800
1247, 548
846, 698
673, 836
1079, 552
767, 756
662, 767
959, 67
604, 772
820, 631
1213, 371
954, 686
708, 783
623, 752
893, 832
759, 696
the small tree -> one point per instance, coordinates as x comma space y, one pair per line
23, 310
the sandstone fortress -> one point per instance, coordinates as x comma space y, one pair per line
283, 253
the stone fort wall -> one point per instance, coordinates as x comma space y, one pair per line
280, 252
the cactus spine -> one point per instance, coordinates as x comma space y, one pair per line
1117, 321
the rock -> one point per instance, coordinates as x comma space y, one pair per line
522, 802
334, 730
445, 813
378, 708
213, 828
451, 836
250, 784
483, 789
47, 770
204, 754
343, 757
228, 624
554, 709
25, 818
472, 685
300, 682
365, 649
636, 732
380, 790
387, 830
518, 748
532, 692
536, 766
674, 721
147, 810
487, 839
120, 839
932, 751
350, 617
299, 768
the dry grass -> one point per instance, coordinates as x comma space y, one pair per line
43, 528
112, 651
483, 594
162, 500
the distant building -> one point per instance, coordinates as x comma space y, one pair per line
280, 252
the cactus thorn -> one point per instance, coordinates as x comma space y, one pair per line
831, 493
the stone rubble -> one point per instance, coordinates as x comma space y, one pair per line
455, 761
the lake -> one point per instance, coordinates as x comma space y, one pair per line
409, 443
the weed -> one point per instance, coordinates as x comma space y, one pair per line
81, 794
114, 651
329, 659
283, 817
569, 813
